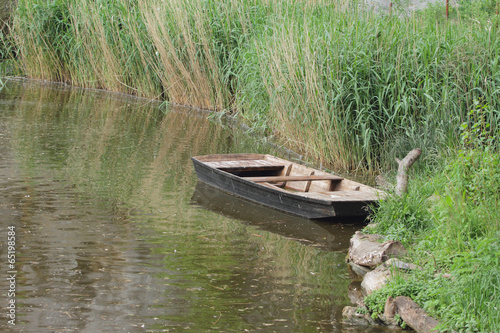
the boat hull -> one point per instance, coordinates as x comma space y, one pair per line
291, 203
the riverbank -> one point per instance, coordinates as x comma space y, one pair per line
339, 84
449, 223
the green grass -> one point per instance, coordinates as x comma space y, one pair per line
450, 221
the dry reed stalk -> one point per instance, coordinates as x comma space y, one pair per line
85, 33
189, 71
147, 87
301, 109
107, 65
215, 82
37, 64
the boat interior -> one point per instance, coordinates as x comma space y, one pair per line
284, 175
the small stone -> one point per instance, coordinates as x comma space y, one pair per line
352, 317
358, 269
393, 262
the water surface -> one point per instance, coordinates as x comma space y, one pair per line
113, 233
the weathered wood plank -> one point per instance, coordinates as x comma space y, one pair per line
340, 196
257, 164
414, 315
309, 181
272, 179
272, 186
227, 157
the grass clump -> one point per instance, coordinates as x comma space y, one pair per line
454, 235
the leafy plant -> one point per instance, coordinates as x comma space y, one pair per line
477, 132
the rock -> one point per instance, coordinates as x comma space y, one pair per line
370, 226
376, 279
359, 270
355, 294
366, 250
351, 317
396, 263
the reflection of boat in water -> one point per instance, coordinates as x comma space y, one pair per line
333, 235
286, 186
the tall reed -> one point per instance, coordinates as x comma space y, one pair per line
345, 86
348, 83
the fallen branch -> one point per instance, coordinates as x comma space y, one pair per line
404, 166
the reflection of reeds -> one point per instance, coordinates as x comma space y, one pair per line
149, 151
127, 162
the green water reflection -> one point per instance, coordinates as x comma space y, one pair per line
115, 236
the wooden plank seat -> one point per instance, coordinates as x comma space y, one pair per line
246, 165
340, 196
274, 179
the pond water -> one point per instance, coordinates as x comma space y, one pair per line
113, 233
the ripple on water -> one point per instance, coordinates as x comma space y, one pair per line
113, 235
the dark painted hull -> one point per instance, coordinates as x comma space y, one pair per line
309, 208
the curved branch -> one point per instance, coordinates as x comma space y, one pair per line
404, 166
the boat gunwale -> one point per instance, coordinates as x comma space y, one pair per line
204, 159
326, 202
228, 172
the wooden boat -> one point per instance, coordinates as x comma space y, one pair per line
286, 186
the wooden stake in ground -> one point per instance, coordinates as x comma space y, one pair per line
404, 166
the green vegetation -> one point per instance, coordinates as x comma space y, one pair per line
450, 219
345, 86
